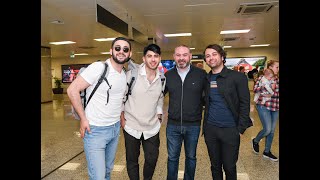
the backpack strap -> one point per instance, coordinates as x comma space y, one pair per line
163, 82
102, 77
134, 74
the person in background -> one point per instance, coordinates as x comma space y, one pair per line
255, 70
200, 65
267, 86
226, 114
185, 84
142, 115
268, 113
235, 68
100, 122
241, 69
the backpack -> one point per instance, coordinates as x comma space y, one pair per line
134, 74
83, 93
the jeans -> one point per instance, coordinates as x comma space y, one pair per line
223, 149
269, 121
100, 147
175, 136
151, 154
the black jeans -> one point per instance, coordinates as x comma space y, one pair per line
223, 149
151, 153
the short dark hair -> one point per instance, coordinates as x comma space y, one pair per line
121, 38
152, 47
218, 48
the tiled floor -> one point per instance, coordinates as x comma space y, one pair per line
62, 156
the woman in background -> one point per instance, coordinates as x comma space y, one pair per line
268, 113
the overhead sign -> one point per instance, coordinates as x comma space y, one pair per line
197, 56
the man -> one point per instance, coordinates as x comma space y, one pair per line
185, 85
100, 122
226, 113
253, 71
142, 115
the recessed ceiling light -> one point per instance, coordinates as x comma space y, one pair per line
227, 47
259, 45
235, 31
192, 48
177, 34
62, 42
105, 53
104, 39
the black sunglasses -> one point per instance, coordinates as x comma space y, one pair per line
125, 49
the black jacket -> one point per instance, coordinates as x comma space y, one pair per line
233, 86
186, 99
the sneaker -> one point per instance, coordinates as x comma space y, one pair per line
255, 147
270, 156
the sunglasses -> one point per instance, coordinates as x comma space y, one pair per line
124, 49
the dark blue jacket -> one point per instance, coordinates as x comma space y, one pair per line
233, 86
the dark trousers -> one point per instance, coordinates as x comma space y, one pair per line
223, 149
151, 153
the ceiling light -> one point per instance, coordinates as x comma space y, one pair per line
62, 42
235, 31
259, 45
81, 54
105, 53
177, 34
190, 5
105, 39
227, 47
192, 48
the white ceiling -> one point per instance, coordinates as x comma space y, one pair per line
154, 18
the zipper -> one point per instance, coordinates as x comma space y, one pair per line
181, 107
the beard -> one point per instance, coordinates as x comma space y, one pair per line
117, 60
182, 66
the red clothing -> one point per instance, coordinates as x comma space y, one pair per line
273, 104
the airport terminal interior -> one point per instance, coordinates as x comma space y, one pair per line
63, 158
248, 30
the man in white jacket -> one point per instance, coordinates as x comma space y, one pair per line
142, 115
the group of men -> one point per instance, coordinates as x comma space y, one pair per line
223, 92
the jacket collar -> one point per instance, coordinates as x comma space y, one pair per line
223, 72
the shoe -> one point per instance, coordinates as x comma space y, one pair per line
255, 147
270, 156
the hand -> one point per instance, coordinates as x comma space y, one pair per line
84, 125
122, 120
266, 95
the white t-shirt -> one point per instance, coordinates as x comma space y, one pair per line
98, 111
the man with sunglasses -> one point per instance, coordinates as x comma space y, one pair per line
141, 119
100, 121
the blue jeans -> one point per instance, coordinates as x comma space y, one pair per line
269, 121
175, 136
100, 147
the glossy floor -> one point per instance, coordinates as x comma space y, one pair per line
62, 156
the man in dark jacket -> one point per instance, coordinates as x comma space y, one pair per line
185, 84
226, 113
